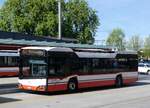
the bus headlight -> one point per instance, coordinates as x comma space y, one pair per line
20, 86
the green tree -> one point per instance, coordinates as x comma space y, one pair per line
39, 17
116, 39
135, 43
146, 49
80, 21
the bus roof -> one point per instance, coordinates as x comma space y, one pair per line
79, 50
57, 49
95, 55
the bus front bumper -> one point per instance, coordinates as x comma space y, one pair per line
32, 88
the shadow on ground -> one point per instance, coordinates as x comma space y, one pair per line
7, 100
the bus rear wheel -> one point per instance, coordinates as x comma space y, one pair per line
72, 85
119, 82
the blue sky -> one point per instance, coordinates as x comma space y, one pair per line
133, 16
1, 2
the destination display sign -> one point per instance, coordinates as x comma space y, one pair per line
33, 52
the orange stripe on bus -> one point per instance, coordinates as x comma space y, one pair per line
8, 73
27, 87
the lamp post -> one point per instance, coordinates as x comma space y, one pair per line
59, 19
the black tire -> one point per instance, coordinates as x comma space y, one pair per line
148, 72
72, 85
119, 82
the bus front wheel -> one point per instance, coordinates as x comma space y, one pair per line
119, 82
72, 85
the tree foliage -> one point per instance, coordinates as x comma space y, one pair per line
146, 49
116, 38
39, 17
135, 43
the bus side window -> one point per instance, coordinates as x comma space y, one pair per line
58, 66
12, 61
122, 63
85, 66
132, 63
75, 65
2, 61
115, 64
96, 65
102, 65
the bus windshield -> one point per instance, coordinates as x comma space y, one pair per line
38, 68
33, 68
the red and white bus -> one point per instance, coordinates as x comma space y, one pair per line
61, 68
9, 63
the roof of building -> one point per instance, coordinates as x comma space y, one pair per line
29, 37
8, 38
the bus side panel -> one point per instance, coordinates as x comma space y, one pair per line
85, 81
129, 81
57, 87
96, 83
106, 80
9, 71
130, 77
57, 84
96, 80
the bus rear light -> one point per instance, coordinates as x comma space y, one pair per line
41, 88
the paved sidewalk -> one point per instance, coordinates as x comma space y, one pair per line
8, 85
8, 80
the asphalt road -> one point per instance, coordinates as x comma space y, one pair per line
8, 85
136, 95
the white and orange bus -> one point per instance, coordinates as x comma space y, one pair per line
9, 63
61, 68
